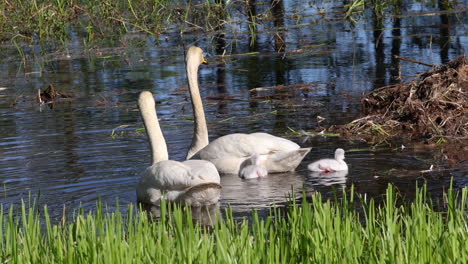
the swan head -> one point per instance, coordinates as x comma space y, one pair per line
339, 154
195, 56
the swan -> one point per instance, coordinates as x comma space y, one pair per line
194, 182
330, 165
228, 152
251, 168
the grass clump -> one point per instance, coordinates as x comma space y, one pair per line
41, 20
316, 231
44, 21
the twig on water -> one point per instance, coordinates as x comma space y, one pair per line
414, 61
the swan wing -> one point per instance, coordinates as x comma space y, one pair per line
201, 172
173, 175
205, 181
229, 152
245, 145
275, 143
167, 175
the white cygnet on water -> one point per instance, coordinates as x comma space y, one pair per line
330, 165
254, 170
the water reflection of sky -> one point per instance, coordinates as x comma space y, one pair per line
67, 153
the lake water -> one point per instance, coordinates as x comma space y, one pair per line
88, 147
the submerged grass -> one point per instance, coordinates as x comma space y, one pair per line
316, 231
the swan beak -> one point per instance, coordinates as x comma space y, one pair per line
204, 61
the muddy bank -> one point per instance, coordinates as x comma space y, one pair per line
432, 108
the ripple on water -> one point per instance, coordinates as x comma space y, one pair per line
244, 195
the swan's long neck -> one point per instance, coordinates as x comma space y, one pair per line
153, 130
200, 133
339, 156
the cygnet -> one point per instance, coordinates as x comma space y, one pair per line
330, 165
254, 170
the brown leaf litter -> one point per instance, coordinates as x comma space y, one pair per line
433, 108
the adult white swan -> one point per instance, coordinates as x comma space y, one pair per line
194, 182
330, 165
231, 152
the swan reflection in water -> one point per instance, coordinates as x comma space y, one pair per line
203, 215
328, 178
243, 195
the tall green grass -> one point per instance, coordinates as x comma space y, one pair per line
44, 21
315, 231
63, 20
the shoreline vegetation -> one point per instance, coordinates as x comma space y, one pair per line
52, 25
352, 229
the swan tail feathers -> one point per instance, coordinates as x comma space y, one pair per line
285, 161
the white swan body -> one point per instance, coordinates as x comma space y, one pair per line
228, 152
194, 182
330, 165
253, 169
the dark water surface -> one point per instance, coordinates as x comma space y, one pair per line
89, 146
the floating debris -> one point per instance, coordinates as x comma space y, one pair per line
300, 86
320, 119
50, 94
429, 170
